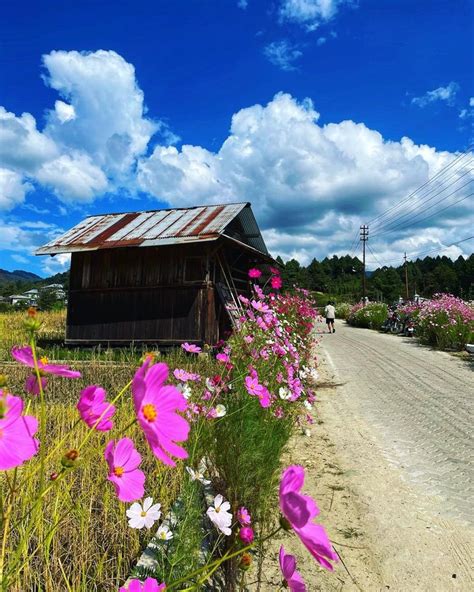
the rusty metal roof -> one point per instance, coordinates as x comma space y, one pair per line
152, 228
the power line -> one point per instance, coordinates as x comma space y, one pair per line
417, 254
391, 228
374, 256
413, 193
411, 210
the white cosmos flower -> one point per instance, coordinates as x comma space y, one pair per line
146, 515
164, 533
284, 393
220, 516
220, 410
197, 476
308, 405
185, 390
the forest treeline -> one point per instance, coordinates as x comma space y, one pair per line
342, 277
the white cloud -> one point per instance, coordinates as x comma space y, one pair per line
90, 143
443, 93
310, 185
73, 177
311, 13
19, 258
242, 4
283, 54
12, 189
64, 112
56, 264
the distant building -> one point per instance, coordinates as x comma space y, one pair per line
20, 299
161, 276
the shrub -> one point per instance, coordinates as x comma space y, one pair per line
343, 309
445, 322
370, 316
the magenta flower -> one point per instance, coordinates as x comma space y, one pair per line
191, 348
92, 406
254, 273
32, 384
224, 358
123, 461
299, 510
256, 389
149, 585
243, 516
17, 444
290, 575
156, 405
246, 535
276, 282
24, 355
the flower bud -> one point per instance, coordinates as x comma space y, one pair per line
69, 458
285, 524
53, 476
246, 535
245, 561
3, 380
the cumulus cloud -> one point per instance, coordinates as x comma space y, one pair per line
443, 93
12, 189
56, 264
282, 54
92, 139
73, 177
310, 185
311, 13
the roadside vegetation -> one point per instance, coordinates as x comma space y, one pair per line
444, 322
93, 440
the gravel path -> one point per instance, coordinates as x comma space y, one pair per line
402, 424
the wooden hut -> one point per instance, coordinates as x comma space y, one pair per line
161, 276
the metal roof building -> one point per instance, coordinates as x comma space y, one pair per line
164, 276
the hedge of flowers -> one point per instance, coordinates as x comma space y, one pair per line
228, 428
370, 316
446, 322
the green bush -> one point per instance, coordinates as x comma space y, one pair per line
370, 316
343, 309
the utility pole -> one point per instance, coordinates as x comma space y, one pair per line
364, 237
406, 276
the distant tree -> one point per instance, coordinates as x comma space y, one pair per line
47, 299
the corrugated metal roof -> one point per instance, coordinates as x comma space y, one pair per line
152, 228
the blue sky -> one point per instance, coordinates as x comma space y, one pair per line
298, 106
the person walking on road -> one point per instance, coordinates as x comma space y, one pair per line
330, 314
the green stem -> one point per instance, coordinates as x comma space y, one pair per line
220, 561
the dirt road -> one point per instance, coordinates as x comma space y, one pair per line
402, 426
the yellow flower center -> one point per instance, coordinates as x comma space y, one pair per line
119, 471
149, 412
143, 514
218, 510
44, 360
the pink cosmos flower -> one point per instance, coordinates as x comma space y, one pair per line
224, 358
17, 444
243, 516
123, 461
299, 510
274, 271
156, 405
149, 585
24, 355
246, 535
254, 273
191, 348
32, 384
92, 406
260, 306
288, 569
249, 338
276, 282
256, 389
